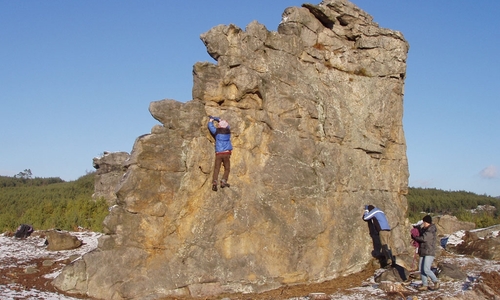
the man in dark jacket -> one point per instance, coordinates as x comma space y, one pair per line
427, 252
223, 148
382, 230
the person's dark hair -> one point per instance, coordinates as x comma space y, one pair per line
427, 219
370, 207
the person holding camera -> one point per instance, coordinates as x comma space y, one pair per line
427, 252
223, 147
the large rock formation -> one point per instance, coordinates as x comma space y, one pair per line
316, 115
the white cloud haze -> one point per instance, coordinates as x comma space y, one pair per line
489, 172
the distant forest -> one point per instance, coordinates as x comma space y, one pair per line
47, 203
466, 206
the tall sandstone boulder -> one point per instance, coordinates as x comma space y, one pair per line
316, 117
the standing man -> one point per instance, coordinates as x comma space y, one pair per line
223, 148
427, 252
382, 229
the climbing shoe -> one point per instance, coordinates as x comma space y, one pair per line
224, 184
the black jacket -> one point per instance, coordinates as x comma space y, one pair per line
427, 240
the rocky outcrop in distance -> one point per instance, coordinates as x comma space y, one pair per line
109, 171
483, 243
315, 110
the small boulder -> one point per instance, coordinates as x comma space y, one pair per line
392, 287
450, 272
61, 241
318, 296
48, 263
394, 274
31, 270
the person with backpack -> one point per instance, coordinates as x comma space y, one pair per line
427, 252
223, 148
382, 230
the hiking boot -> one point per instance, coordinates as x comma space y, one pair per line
224, 184
422, 288
214, 186
435, 287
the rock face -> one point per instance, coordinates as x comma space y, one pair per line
315, 111
109, 171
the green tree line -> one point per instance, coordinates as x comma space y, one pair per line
457, 203
47, 203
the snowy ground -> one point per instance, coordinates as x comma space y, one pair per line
451, 289
16, 254
19, 257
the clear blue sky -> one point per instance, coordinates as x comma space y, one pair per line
77, 78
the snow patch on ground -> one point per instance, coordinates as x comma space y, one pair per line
19, 252
456, 238
15, 292
16, 252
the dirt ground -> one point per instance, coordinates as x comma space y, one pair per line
39, 282
340, 285
329, 287
17, 275
19, 278
35, 280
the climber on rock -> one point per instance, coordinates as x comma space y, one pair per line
382, 231
223, 148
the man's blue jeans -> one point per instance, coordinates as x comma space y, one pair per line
425, 264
